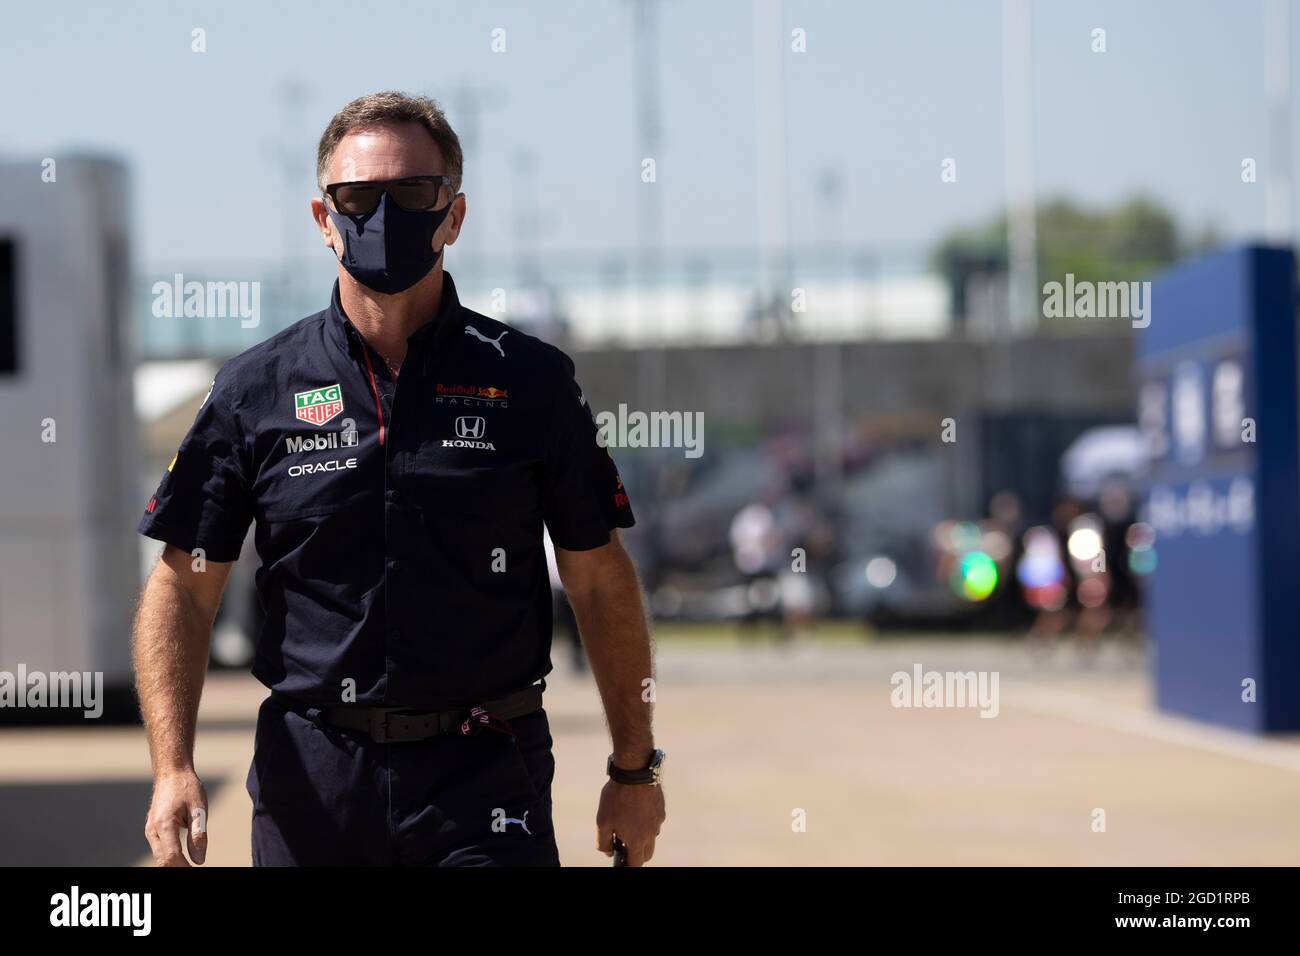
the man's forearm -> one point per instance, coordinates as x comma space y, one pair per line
171, 654
616, 634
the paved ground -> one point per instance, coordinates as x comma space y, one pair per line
755, 736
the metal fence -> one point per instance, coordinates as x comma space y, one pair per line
715, 296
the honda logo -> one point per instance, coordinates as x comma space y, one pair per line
469, 426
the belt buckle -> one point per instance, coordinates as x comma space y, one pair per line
379, 725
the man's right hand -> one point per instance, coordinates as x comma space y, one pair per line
173, 631
179, 803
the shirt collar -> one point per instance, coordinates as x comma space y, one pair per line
429, 336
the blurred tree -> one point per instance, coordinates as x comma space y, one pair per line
1126, 242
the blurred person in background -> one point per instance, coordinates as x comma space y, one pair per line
1126, 543
801, 577
1099, 546
1087, 558
1048, 577
757, 547
1007, 522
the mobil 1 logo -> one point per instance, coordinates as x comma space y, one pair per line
346, 437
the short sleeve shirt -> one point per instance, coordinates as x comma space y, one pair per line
399, 522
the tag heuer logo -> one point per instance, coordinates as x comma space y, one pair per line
318, 405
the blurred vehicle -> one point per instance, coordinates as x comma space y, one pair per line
894, 557
886, 572
68, 552
724, 533
1099, 455
906, 565
696, 523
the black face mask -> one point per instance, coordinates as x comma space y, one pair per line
390, 249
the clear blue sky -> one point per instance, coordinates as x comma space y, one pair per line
883, 94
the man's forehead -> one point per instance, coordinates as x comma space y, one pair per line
388, 151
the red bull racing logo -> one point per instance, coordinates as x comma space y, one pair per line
472, 395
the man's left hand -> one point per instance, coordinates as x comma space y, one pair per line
633, 813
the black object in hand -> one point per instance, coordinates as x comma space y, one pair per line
620, 853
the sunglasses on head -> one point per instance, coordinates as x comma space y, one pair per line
414, 194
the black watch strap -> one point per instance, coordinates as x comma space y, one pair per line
644, 776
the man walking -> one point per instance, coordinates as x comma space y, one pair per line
399, 455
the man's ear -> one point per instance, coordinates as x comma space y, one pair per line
324, 223
455, 219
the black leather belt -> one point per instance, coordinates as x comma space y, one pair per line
398, 724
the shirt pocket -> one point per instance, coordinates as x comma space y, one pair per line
462, 497
470, 533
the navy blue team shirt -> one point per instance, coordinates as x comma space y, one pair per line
398, 521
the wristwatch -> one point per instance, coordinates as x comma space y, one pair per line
647, 775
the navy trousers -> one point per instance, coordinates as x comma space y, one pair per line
329, 797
